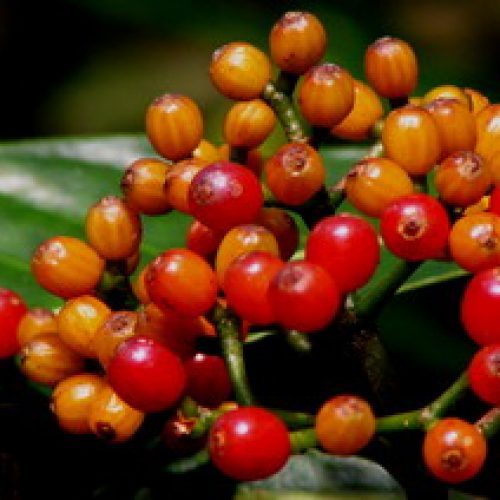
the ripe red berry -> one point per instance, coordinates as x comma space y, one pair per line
415, 227
180, 279
249, 444
480, 308
224, 195
484, 374
202, 240
146, 375
208, 381
303, 296
454, 450
12, 310
347, 247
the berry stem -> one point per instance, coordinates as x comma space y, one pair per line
114, 288
423, 418
489, 423
298, 341
188, 464
303, 440
228, 328
285, 112
294, 419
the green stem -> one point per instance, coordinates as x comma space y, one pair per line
489, 423
303, 440
114, 288
294, 419
423, 418
285, 112
228, 328
188, 464
298, 341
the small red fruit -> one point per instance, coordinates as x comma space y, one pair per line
12, 310
484, 374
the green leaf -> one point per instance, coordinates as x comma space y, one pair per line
316, 475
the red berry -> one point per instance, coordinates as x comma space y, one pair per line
415, 227
249, 444
303, 296
224, 195
208, 381
480, 309
484, 374
347, 247
12, 310
146, 375
495, 200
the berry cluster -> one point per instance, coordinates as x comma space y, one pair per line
241, 269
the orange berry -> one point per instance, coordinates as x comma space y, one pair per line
67, 267
248, 123
411, 138
142, 186
283, 227
488, 131
179, 179
207, 152
447, 92
477, 100
295, 173
131, 263
240, 240
78, 322
240, 71
475, 241
345, 424
297, 42
72, 399
119, 326
462, 179
36, 322
139, 287
455, 123
113, 229
48, 360
111, 419
374, 183
391, 67
367, 109
174, 126
326, 96
493, 165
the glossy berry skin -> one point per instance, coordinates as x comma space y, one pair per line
366, 110
249, 444
178, 180
170, 278
246, 283
480, 307
303, 296
72, 399
240, 240
411, 138
474, 242
119, 326
297, 41
484, 374
326, 95
477, 100
345, 424
142, 186
295, 173
139, 287
208, 380
248, 124
240, 71
284, 228
111, 419
79, 321
415, 228
224, 195
12, 311
207, 152
37, 321
391, 67
347, 247
488, 131
454, 450
146, 375
202, 240
373, 183
48, 360
446, 92
462, 179
67, 267
174, 126
113, 229
456, 125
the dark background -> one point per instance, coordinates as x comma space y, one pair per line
92, 66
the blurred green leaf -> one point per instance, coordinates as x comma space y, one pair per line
316, 475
